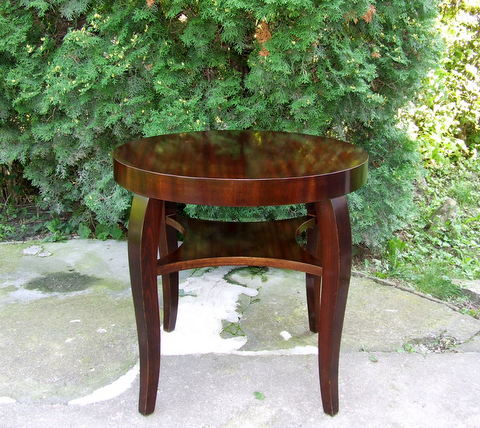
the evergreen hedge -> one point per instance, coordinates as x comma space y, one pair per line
79, 77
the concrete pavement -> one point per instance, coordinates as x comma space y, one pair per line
241, 354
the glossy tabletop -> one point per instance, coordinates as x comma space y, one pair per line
240, 168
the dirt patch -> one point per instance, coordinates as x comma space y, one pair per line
61, 282
438, 344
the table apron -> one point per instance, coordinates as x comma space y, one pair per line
240, 192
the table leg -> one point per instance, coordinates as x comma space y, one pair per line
335, 251
143, 238
169, 243
313, 282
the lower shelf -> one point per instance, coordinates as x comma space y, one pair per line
217, 243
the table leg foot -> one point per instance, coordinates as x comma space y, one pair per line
335, 251
143, 238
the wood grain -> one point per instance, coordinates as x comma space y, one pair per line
214, 243
143, 238
168, 244
239, 168
335, 251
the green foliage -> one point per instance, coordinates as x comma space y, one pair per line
59, 231
79, 77
244, 213
20, 222
105, 231
454, 243
7, 229
231, 329
436, 281
446, 116
84, 231
445, 119
475, 313
23, 222
259, 395
433, 251
386, 203
394, 248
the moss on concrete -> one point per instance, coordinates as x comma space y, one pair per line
58, 349
10, 256
5, 291
91, 263
231, 329
239, 275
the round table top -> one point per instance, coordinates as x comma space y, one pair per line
240, 168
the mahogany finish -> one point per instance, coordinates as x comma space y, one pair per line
313, 283
218, 243
335, 251
144, 227
239, 168
168, 244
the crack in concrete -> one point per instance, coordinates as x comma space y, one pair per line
408, 290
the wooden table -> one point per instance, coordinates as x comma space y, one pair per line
239, 168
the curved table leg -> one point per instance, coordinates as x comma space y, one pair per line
167, 244
143, 238
313, 282
335, 251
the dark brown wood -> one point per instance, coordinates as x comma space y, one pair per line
143, 238
313, 282
335, 251
213, 243
168, 244
240, 168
